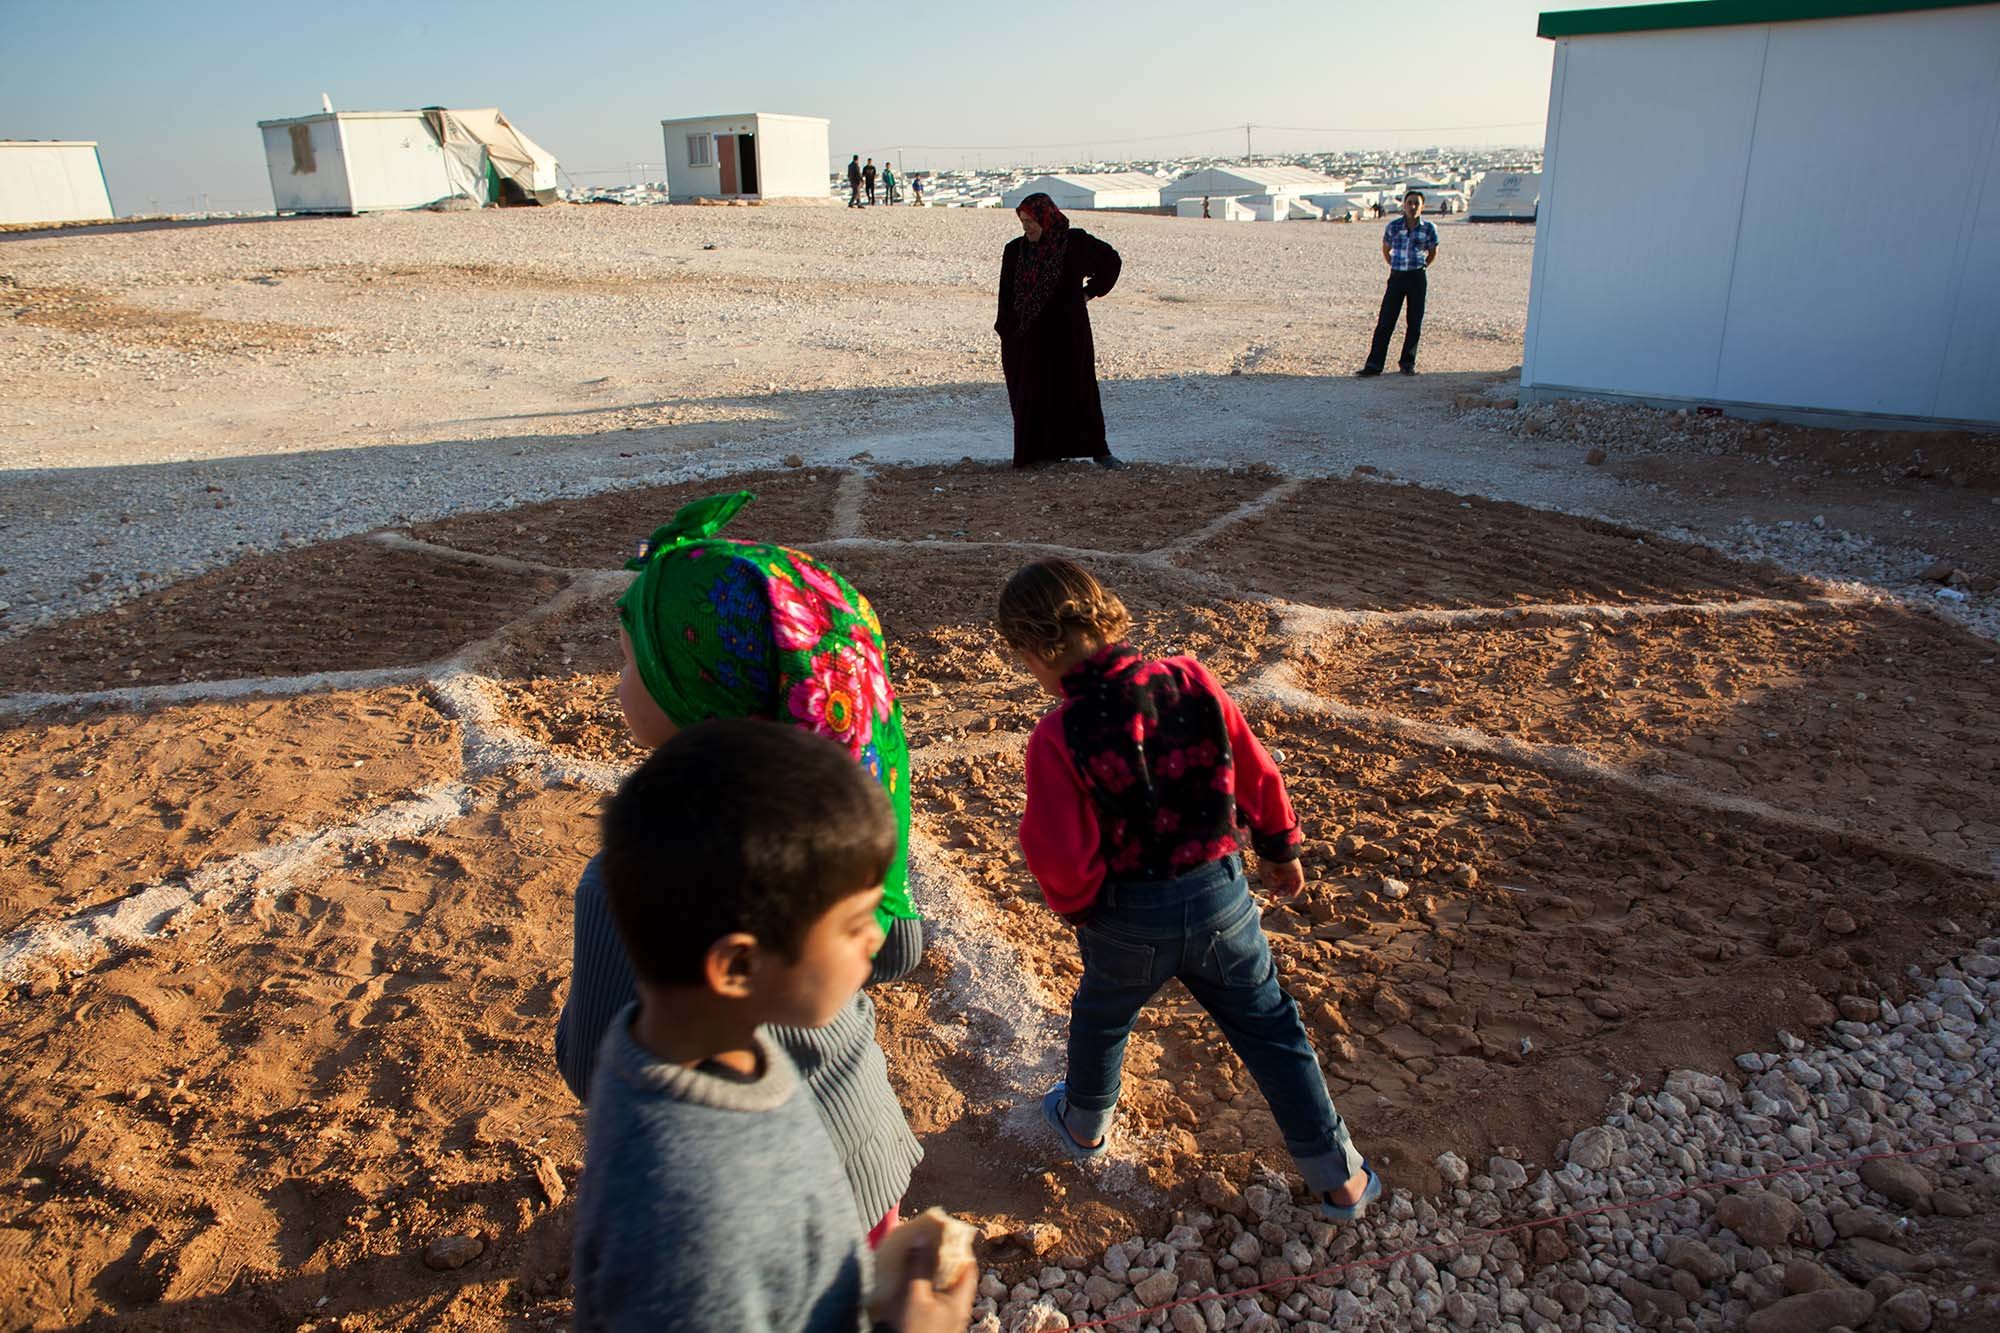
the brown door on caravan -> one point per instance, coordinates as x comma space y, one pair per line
725, 156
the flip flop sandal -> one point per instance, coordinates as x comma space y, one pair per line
1350, 1212
1052, 1111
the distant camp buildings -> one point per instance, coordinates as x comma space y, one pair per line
1224, 191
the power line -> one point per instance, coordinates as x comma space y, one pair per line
1067, 143
1400, 129
1224, 129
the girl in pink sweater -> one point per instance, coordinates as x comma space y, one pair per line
1140, 782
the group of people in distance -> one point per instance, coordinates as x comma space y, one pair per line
862, 178
744, 1148
1050, 272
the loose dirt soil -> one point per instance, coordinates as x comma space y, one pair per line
1514, 738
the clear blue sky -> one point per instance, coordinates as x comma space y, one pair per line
173, 91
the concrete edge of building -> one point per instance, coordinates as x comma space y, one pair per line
1793, 416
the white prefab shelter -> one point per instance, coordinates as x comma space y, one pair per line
1239, 182
1090, 190
369, 161
1782, 295
52, 180
1506, 196
758, 155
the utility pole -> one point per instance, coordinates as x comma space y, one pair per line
1246, 142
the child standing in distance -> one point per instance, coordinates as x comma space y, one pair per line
1135, 783
744, 863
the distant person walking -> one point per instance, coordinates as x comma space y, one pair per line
868, 179
854, 181
1047, 273
917, 189
1409, 245
888, 183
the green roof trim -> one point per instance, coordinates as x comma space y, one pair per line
1723, 14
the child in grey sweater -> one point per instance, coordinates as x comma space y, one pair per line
743, 863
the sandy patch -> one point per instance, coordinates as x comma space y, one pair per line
1849, 712
285, 1102
117, 799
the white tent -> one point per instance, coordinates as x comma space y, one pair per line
1090, 190
489, 160
367, 161
51, 180
1224, 208
1344, 203
1236, 182
1506, 196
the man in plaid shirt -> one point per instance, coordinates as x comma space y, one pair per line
1409, 247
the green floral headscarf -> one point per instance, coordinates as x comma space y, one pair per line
724, 628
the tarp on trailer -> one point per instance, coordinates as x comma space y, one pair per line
489, 160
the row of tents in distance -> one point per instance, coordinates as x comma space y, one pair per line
1282, 194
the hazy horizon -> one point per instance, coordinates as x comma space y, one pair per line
173, 96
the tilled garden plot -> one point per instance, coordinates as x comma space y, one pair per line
283, 972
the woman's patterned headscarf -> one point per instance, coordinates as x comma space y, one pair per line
723, 628
1040, 269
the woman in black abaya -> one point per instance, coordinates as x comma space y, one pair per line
1046, 275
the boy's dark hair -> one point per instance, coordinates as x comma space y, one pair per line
738, 825
1414, 194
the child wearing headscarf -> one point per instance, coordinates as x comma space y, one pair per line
715, 628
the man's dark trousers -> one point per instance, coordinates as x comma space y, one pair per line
1409, 284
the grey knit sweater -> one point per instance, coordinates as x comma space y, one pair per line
709, 1202
840, 1062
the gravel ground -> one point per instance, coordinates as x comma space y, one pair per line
182, 395
1807, 1248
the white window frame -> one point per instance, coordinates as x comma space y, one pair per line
701, 150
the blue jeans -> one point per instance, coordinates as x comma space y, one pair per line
1203, 928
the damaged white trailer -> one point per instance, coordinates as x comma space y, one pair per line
369, 161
